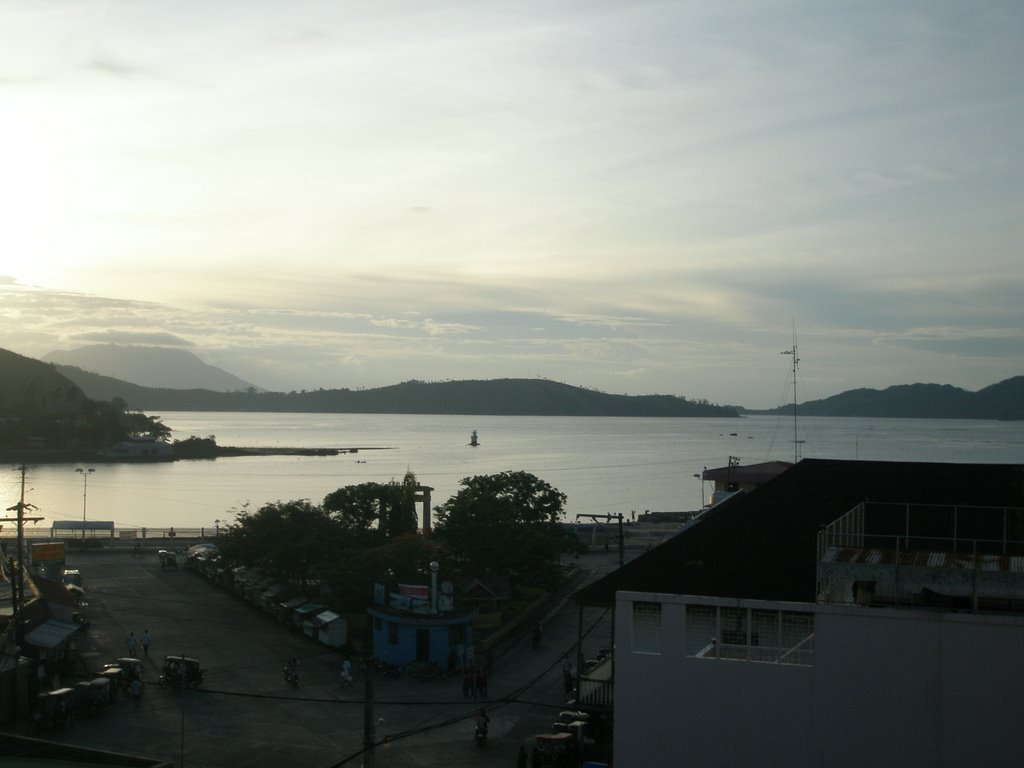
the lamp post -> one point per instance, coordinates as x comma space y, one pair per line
85, 492
217, 525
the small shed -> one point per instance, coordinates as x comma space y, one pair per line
82, 529
305, 612
283, 611
329, 628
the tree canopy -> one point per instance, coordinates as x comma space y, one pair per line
289, 539
359, 534
375, 510
509, 523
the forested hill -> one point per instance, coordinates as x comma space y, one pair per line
497, 397
1004, 401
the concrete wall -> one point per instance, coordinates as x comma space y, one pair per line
887, 687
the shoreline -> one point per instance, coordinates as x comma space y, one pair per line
35, 456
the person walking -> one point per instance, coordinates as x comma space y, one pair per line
523, 759
146, 640
133, 644
346, 673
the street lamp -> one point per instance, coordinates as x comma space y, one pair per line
217, 524
85, 492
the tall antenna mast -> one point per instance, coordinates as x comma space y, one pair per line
796, 363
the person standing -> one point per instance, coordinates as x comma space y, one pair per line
346, 672
146, 640
522, 760
136, 689
133, 644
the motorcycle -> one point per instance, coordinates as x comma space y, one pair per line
481, 731
291, 675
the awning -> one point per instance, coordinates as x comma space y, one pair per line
50, 634
326, 617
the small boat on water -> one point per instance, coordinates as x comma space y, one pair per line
473, 440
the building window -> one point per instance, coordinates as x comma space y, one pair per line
764, 635
701, 630
797, 630
646, 627
734, 626
749, 634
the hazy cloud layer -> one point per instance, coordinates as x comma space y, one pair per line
637, 196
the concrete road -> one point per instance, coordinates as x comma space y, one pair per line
245, 714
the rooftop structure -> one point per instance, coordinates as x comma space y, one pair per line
839, 631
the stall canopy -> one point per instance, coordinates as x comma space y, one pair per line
50, 634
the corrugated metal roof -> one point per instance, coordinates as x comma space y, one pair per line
50, 634
963, 561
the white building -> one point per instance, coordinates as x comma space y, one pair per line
799, 625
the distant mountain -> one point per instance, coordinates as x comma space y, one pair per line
1004, 401
44, 412
149, 367
513, 397
27, 384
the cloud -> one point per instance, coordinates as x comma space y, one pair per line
138, 338
110, 65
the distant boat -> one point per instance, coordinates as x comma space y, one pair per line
472, 439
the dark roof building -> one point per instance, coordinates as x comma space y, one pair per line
763, 545
842, 614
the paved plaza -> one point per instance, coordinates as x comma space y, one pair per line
245, 714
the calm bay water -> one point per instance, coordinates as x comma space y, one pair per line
603, 465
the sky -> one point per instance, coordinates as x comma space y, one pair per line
636, 197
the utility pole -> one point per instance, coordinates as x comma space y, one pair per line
17, 562
796, 363
17, 571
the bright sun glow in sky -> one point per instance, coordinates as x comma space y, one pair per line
633, 196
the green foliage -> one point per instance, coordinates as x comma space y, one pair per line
193, 447
39, 404
374, 511
509, 523
403, 559
359, 535
287, 539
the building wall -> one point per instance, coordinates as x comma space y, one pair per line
403, 650
884, 687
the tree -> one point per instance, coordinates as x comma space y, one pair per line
401, 559
509, 523
290, 540
374, 511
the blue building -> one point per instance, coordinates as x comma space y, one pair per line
413, 626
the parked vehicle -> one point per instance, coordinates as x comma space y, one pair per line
556, 750
54, 707
181, 671
167, 559
131, 669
